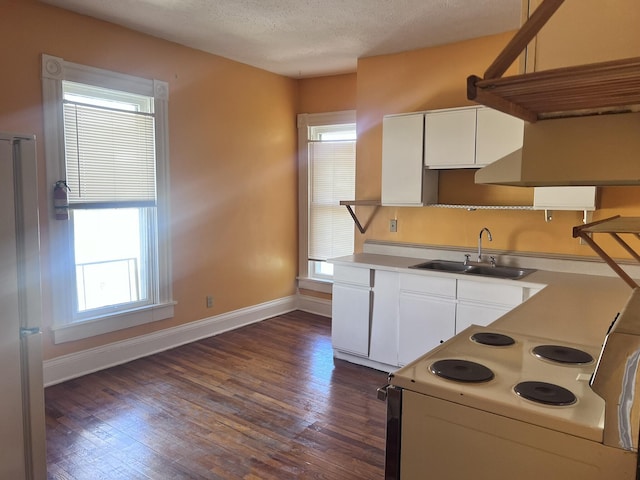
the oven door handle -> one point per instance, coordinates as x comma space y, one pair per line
382, 392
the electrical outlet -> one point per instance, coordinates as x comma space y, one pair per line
393, 225
209, 301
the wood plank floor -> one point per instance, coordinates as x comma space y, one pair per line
266, 401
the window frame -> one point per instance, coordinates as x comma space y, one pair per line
305, 120
55, 70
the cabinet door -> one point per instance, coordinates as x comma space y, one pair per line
480, 303
384, 321
351, 306
402, 159
450, 138
564, 198
424, 322
468, 314
478, 291
497, 135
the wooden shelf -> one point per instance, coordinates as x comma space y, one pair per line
614, 226
572, 91
608, 87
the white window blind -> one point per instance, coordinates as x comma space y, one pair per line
110, 155
332, 168
107, 137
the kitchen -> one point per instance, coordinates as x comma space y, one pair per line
237, 225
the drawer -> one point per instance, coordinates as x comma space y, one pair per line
445, 287
486, 292
353, 275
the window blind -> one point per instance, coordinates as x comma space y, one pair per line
332, 166
110, 156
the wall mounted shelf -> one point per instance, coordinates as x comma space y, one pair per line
548, 213
481, 207
361, 203
614, 226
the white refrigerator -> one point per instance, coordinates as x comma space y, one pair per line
22, 422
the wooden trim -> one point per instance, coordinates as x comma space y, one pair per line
487, 98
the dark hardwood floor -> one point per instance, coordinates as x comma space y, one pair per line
266, 401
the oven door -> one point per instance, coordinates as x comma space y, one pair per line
427, 437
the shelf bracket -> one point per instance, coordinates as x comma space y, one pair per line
613, 226
370, 203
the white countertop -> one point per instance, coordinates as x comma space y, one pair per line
573, 307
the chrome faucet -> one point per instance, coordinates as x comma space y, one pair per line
485, 229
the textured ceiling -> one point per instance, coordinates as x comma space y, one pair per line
305, 38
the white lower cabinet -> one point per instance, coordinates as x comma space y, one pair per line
351, 310
425, 322
384, 323
426, 316
480, 303
390, 318
468, 314
350, 327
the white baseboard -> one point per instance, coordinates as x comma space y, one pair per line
319, 306
75, 365
383, 367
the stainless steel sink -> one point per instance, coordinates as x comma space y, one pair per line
443, 266
511, 273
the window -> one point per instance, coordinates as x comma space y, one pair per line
327, 175
106, 138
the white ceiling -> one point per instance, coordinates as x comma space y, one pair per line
305, 38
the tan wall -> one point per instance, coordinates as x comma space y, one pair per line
587, 31
233, 201
434, 78
234, 212
327, 94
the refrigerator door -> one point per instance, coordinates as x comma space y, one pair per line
35, 453
27, 233
22, 430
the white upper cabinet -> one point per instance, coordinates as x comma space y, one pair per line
565, 198
497, 135
469, 137
450, 138
404, 179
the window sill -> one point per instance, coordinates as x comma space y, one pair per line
315, 284
112, 323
